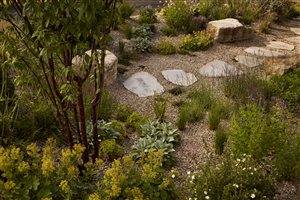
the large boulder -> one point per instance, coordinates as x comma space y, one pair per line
228, 30
278, 66
111, 64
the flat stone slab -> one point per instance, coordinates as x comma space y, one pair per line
218, 68
280, 45
143, 84
259, 51
249, 61
294, 39
179, 77
228, 30
295, 30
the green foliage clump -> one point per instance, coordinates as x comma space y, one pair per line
106, 106
156, 136
51, 173
287, 87
199, 41
110, 150
218, 111
125, 10
256, 132
122, 113
220, 140
165, 47
147, 15
195, 109
127, 30
169, 31
178, 15
135, 120
232, 179
160, 107
245, 89
142, 38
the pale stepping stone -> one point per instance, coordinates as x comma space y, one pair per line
280, 45
218, 68
259, 51
179, 77
295, 30
294, 39
249, 61
143, 84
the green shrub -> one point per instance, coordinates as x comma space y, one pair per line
250, 15
199, 41
178, 15
221, 138
245, 89
160, 107
110, 150
135, 120
256, 132
157, 136
54, 173
126, 29
125, 9
106, 107
183, 117
287, 87
204, 96
217, 112
165, 47
142, 38
147, 15
119, 127
232, 179
122, 113
169, 31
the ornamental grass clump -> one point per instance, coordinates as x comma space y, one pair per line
165, 47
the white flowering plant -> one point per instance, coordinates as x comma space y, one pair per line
231, 179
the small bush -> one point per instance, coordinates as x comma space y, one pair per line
221, 138
256, 132
217, 112
106, 106
246, 89
197, 23
125, 9
199, 41
142, 38
122, 113
183, 117
178, 15
147, 15
204, 96
157, 136
190, 112
135, 121
110, 150
232, 179
264, 24
165, 47
160, 107
169, 31
287, 87
126, 29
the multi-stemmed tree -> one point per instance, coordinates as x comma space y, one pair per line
43, 38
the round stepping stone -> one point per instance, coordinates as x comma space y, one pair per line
294, 39
179, 77
295, 30
249, 61
280, 45
218, 68
259, 51
143, 84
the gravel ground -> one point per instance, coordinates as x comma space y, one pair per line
197, 140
